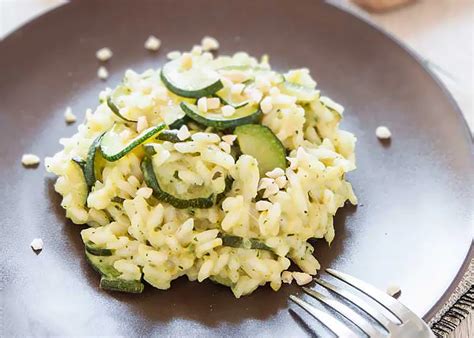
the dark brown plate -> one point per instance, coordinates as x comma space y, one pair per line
413, 226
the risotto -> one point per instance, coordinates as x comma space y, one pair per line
211, 168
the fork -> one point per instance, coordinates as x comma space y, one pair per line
409, 324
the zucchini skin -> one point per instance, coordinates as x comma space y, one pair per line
113, 107
224, 123
195, 94
121, 285
244, 243
261, 143
169, 135
79, 161
99, 265
132, 144
90, 168
93, 249
179, 123
110, 276
151, 181
81, 165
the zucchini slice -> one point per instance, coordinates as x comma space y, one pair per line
122, 285
110, 276
244, 243
259, 142
180, 203
94, 164
221, 280
113, 148
302, 93
82, 190
245, 115
111, 103
80, 162
169, 135
95, 250
196, 82
103, 265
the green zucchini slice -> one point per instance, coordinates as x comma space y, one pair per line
180, 203
198, 81
302, 93
94, 164
169, 135
122, 285
81, 190
103, 265
244, 243
259, 142
245, 115
95, 250
111, 102
113, 148
110, 276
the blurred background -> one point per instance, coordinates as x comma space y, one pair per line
440, 32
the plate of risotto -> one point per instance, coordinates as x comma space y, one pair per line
211, 163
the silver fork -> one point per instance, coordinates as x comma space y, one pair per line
409, 325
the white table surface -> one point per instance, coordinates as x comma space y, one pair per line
440, 31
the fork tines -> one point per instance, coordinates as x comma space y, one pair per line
409, 324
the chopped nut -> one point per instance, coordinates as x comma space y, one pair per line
145, 192
37, 244
202, 104
383, 133
152, 43
102, 73
209, 43
302, 278
186, 61
183, 133
104, 54
213, 103
393, 290
142, 124
229, 138
30, 159
286, 277
228, 110
69, 117
237, 89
